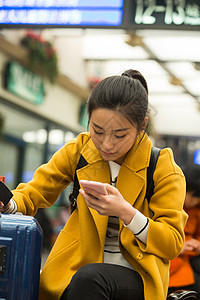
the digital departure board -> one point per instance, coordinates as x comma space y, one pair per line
164, 14
63, 13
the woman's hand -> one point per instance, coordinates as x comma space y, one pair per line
112, 204
3, 207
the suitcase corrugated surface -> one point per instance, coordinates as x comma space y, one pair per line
20, 257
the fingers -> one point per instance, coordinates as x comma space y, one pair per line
192, 245
111, 189
88, 196
93, 201
1, 205
3, 208
91, 193
109, 204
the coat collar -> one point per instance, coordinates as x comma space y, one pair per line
90, 152
138, 156
136, 159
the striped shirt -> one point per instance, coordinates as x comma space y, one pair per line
139, 226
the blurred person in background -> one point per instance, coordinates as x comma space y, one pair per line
185, 269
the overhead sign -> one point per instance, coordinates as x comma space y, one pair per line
24, 83
63, 13
164, 14
125, 14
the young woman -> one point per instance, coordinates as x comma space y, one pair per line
115, 246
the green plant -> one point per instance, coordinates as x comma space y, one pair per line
42, 56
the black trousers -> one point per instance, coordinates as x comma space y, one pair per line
102, 281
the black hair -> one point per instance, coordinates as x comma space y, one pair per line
128, 94
192, 175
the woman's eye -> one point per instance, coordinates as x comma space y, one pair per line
120, 137
97, 132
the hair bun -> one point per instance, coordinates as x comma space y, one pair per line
136, 75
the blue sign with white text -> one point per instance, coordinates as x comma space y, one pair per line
62, 13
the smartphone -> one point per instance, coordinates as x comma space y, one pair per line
93, 185
5, 193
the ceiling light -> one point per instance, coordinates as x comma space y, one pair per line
104, 47
56, 137
174, 47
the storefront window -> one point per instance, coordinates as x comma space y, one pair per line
9, 162
26, 155
26, 142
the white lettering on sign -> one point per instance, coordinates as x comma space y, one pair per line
39, 3
174, 11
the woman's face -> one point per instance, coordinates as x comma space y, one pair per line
191, 201
112, 134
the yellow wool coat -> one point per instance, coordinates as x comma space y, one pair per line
82, 240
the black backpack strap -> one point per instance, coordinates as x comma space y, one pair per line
73, 196
155, 152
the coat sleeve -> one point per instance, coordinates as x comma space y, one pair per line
49, 180
165, 236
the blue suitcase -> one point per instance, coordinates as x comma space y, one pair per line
20, 257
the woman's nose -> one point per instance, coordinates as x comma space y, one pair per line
107, 142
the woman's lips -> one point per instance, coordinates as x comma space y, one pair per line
107, 153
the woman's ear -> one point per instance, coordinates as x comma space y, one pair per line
145, 123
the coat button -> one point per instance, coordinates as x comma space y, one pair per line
139, 256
